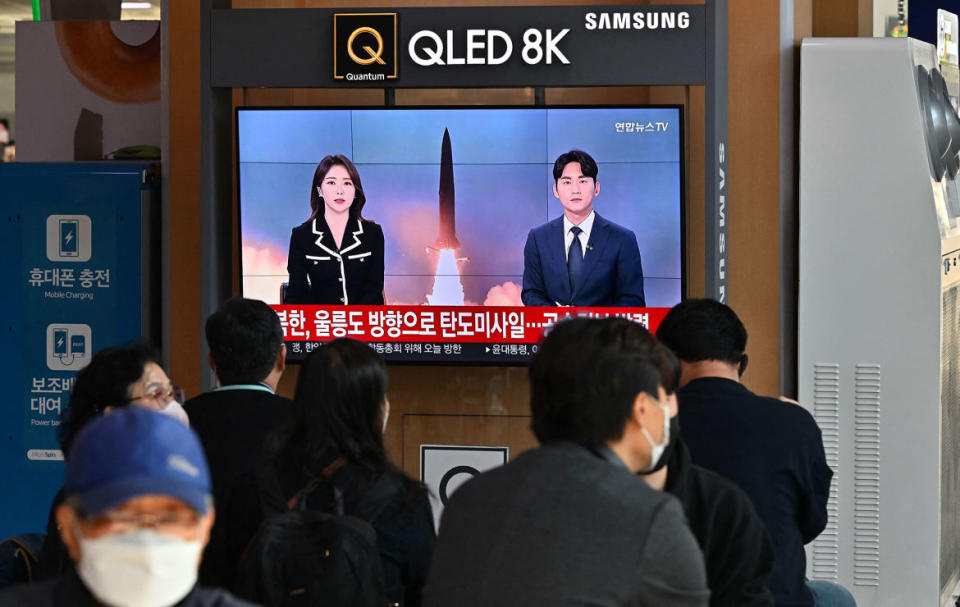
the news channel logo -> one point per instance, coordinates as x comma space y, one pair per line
69, 346
365, 46
69, 238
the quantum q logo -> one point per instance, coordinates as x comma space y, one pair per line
364, 46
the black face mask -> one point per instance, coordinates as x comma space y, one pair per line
668, 450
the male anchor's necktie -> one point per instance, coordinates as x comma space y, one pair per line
575, 259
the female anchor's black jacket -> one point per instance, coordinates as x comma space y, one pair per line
322, 274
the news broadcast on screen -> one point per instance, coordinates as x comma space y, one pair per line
445, 235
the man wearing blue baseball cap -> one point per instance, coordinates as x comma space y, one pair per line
136, 519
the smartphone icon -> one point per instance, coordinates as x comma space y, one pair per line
59, 342
68, 238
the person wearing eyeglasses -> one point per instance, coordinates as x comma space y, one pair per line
115, 378
135, 520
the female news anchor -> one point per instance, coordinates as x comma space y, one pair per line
336, 256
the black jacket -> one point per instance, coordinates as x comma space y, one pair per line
68, 591
404, 524
53, 560
773, 450
736, 547
232, 425
322, 274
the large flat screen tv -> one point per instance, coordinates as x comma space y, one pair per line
462, 250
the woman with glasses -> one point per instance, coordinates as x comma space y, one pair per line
116, 377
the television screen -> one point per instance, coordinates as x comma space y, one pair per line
467, 245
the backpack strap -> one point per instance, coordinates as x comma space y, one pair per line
25, 552
299, 499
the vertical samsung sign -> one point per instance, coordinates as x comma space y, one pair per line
722, 222
716, 207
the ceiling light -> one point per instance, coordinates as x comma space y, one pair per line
134, 5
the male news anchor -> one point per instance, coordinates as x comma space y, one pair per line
580, 258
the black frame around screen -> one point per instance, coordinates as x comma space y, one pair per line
499, 362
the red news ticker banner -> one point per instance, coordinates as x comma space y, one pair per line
444, 324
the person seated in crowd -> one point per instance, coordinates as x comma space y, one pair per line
737, 550
137, 515
569, 522
114, 378
771, 449
248, 357
332, 451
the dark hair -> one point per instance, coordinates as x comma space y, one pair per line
245, 337
328, 162
105, 382
588, 166
587, 374
704, 329
338, 409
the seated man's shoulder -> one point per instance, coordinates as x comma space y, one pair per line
722, 493
225, 398
42, 594
563, 467
214, 597
791, 415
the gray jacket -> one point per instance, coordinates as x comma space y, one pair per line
559, 525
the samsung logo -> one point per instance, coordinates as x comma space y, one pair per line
638, 20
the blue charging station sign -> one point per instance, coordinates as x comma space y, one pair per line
72, 240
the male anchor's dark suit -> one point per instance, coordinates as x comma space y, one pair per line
611, 275
561, 526
321, 274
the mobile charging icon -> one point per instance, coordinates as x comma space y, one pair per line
68, 346
69, 238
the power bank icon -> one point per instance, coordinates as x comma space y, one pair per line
68, 346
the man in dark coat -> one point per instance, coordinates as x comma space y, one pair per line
247, 354
771, 449
569, 523
736, 547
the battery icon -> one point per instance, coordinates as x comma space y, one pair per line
78, 345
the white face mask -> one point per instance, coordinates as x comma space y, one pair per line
139, 569
176, 411
657, 449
